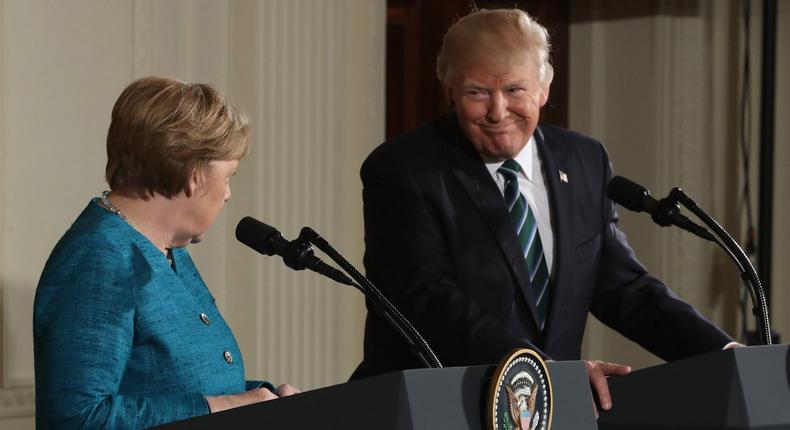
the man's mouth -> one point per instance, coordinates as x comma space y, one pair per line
499, 129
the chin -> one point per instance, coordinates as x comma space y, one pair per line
512, 145
502, 150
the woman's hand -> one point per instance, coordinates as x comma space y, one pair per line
286, 390
230, 401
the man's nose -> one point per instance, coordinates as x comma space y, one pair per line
497, 109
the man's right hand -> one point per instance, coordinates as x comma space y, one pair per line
598, 371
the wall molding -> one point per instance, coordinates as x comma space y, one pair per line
3, 40
19, 401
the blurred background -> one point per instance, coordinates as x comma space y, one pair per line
672, 88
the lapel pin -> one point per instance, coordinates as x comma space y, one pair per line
563, 176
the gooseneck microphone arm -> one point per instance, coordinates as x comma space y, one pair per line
666, 212
748, 273
383, 306
298, 255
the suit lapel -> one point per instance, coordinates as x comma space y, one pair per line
473, 176
555, 171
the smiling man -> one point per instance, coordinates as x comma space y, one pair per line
491, 231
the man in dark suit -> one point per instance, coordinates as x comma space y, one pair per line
491, 232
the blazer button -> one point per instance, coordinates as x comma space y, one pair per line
204, 318
228, 357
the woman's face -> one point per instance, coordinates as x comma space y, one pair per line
209, 196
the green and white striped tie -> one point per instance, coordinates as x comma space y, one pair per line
526, 226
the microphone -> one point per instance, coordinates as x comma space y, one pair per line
665, 212
297, 254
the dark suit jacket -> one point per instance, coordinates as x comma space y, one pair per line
440, 245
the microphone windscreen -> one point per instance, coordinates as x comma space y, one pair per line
627, 193
257, 235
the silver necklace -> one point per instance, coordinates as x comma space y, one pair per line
113, 209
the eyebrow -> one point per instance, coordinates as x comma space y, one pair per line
476, 86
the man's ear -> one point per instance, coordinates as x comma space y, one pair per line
544, 96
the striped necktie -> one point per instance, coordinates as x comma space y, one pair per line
528, 237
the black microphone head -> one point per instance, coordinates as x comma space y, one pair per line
627, 193
259, 236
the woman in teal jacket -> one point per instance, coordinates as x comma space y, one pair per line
126, 334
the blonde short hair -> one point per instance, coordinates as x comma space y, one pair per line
163, 131
501, 37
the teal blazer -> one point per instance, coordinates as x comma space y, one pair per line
121, 338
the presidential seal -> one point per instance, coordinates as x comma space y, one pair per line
521, 397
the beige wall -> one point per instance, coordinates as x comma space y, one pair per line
657, 82
657, 87
310, 73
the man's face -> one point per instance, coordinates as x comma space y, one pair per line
497, 107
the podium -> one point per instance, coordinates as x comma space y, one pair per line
741, 388
448, 398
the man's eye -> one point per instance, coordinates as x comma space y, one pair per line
476, 94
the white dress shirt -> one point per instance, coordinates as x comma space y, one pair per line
533, 188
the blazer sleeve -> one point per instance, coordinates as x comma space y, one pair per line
406, 255
639, 306
84, 328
